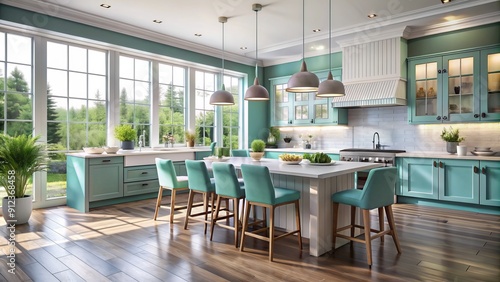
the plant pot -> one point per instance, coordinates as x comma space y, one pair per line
451, 147
20, 209
190, 143
127, 145
256, 156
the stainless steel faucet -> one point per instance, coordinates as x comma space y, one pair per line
376, 146
142, 140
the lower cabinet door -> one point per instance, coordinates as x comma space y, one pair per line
489, 190
459, 181
105, 181
142, 187
420, 178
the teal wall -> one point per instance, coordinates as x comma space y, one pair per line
39, 20
455, 40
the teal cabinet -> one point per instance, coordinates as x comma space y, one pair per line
105, 178
489, 188
139, 180
303, 108
444, 88
459, 181
420, 178
490, 86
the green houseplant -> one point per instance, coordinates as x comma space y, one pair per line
126, 134
452, 138
258, 146
20, 158
190, 138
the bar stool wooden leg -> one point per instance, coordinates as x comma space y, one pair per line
215, 216
271, 233
236, 219
172, 204
334, 225
353, 222
392, 226
368, 241
158, 202
381, 222
188, 209
297, 219
245, 225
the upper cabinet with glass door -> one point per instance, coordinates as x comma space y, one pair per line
445, 88
490, 85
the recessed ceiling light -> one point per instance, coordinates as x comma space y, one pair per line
316, 30
157, 21
371, 16
243, 48
445, 1
197, 34
106, 6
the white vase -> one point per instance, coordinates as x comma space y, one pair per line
20, 209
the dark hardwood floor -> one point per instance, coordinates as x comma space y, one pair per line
123, 243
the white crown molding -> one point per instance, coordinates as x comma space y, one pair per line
455, 25
120, 27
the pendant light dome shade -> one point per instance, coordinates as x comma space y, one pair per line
330, 87
303, 81
222, 97
256, 92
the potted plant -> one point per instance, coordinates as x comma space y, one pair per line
274, 135
190, 137
258, 146
126, 134
452, 138
20, 158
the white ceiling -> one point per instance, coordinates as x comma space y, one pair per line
280, 22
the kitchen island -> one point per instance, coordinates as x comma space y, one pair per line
316, 184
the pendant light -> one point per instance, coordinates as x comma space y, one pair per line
303, 81
330, 87
222, 97
256, 92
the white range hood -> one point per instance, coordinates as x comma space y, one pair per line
374, 74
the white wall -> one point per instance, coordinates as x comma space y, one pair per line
395, 132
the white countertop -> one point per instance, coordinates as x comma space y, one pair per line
301, 150
304, 170
444, 155
143, 152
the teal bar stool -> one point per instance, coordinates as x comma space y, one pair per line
227, 186
239, 153
377, 193
201, 183
260, 191
169, 180
212, 147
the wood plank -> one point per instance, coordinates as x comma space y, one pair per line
44, 258
82, 269
68, 276
39, 273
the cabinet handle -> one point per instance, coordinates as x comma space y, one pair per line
438, 117
439, 71
435, 164
445, 117
145, 184
483, 170
441, 164
483, 115
290, 122
144, 172
106, 161
476, 115
476, 169
312, 120
444, 70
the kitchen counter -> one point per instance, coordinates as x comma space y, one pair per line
302, 151
144, 151
444, 155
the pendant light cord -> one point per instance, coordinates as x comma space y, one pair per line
330, 32
303, 29
222, 80
256, 43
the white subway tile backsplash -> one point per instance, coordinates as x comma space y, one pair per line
395, 132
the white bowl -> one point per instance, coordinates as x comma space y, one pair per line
93, 150
111, 149
483, 149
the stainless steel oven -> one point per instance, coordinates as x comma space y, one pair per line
387, 157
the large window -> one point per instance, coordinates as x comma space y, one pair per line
205, 113
230, 114
76, 106
172, 104
135, 95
